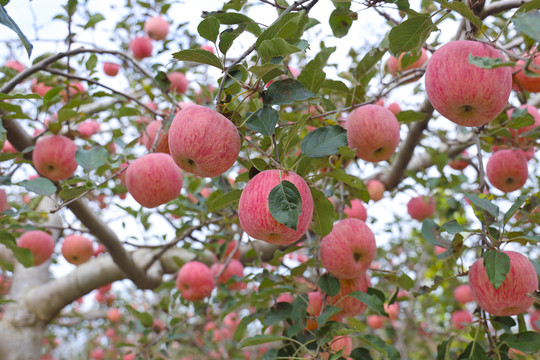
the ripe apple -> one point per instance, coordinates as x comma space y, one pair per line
72, 89
285, 297
339, 343
231, 245
77, 249
88, 128
375, 189
195, 281
97, 354
461, 318
392, 310
154, 179
421, 207
394, 64
534, 319
208, 47
40, 244
463, 294
349, 305
39, 88
375, 321
54, 157
141, 47
511, 297
462, 92
356, 210
507, 170
4, 205
460, 162
235, 268
156, 27
110, 68
534, 113
8, 147
179, 82
349, 249
313, 309
254, 213
203, 142
15, 65
149, 135
114, 315
394, 108
528, 83
373, 131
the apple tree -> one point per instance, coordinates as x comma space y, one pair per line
271, 180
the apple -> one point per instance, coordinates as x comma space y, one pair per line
373, 131
77, 249
349, 249
40, 244
114, 315
375, 321
394, 65
462, 92
349, 305
88, 128
534, 113
8, 147
375, 189
507, 170
97, 354
511, 297
254, 213
337, 344
129, 356
179, 82
463, 294
313, 309
72, 89
141, 47
421, 207
528, 83
534, 319
461, 318
156, 27
203, 142
4, 205
460, 162
208, 47
392, 310
231, 245
356, 210
54, 157
235, 268
394, 108
149, 135
154, 179
110, 68
285, 297
15, 65
39, 88
195, 281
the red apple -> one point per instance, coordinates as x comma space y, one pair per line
462, 92
114, 315
349, 249
154, 179
511, 297
285, 297
375, 321
77, 249
394, 108
459, 162
179, 82
254, 213
339, 343
88, 128
507, 170
4, 205
461, 318
373, 131
195, 281
375, 189
394, 64
534, 319
349, 305
54, 157
439, 250
111, 69
235, 268
313, 309
208, 47
141, 47
392, 310
72, 89
8, 147
156, 27
97, 354
356, 210
421, 207
40, 244
39, 88
463, 294
149, 135
528, 83
203, 142
15, 65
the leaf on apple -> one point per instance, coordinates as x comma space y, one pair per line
329, 284
497, 266
324, 141
489, 63
285, 203
323, 214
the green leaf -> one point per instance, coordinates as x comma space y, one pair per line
65, 114
361, 353
277, 313
488, 62
497, 266
6, 20
285, 204
505, 322
529, 24
266, 71
381, 346
367, 63
410, 116
225, 200
227, 37
323, 213
483, 204
410, 34
329, 311
270, 49
263, 120
260, 339
430, 232
528, 341
19, 96
528, 6
91, 159
312, 75
372, 301
464, 10
285, 92
405, 282
209, 28
474, 351
329, 284
198, 56
94, 19
291, 134
24, 256
341, 20
271, 354
91, 62
71, 193
351, 180
273, 31
520, 118
514, 208
452, 227
40, 185
324, 141
335, 85
232, 18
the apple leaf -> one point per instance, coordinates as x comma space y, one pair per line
514, 208
24, 256
341, 20
520, 118
410, 116
474, 351
260, 339
323, 213
388, 351
329, 311
329, 284
91, 159
313, 76
528, 24
489, 62
464, 10
198, 56
270, 49
277, 313
266, 71
324, 141
497, 266
274, 29
285, 92
483, 204
69, 193
225, 200
209, 28
231, 18
372, 301
360, 353
263, 120
41, 186
528, 341
350, 180
285, 203
227, 37
6, 20
19, 96
368, 62
410, 34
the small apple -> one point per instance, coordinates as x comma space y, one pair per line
179, 82
375, 189
525, 82
349, 305
149, 136
88, 128
8, 147
394, 108
77, 249
195, 281
54, 157
141, 47
208, 47
507, 170
39, 88
375, 321
534, 319
40, 244
4, 205
111, 69
394, 65
356, 210
339, 343
421, 207
97, 354
254, 213
461, 318
114, 315
462, 92
285, 297
349, 249
511, 298
463, 294
392, 310
203, 142
235, 268
15, 65
72, 89
156, 27
373, 131
154, 179
460, 162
